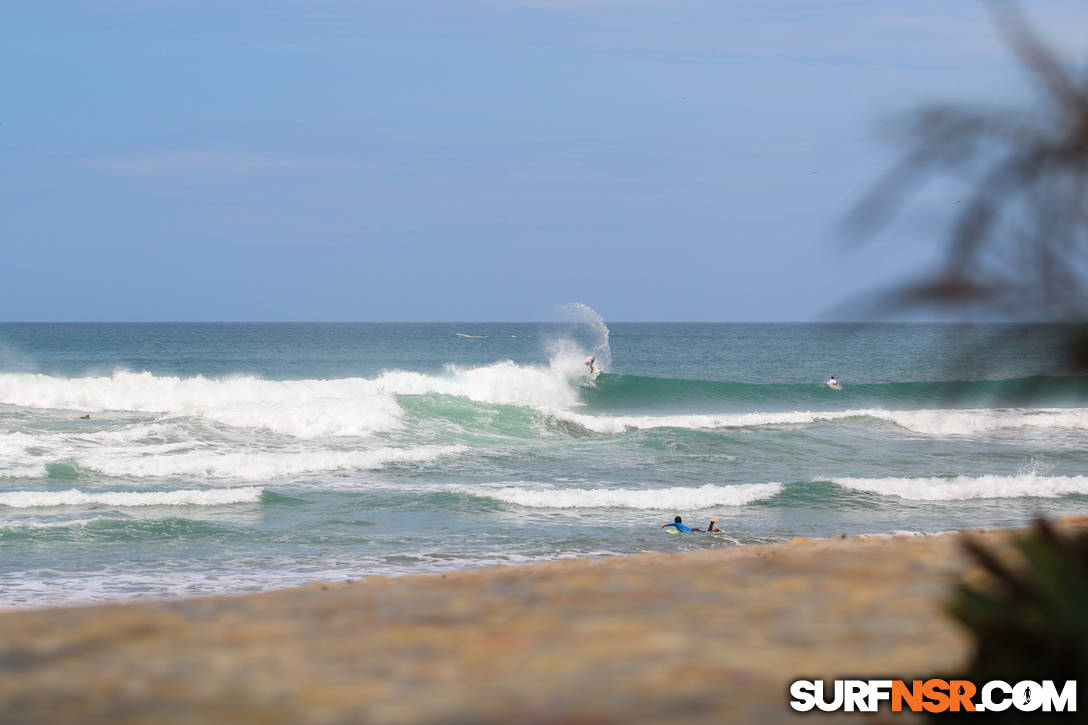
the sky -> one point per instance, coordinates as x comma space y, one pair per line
401, 160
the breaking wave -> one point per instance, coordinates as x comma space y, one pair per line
75, 497
932, 422
960, 488
679, 498
259, 465
364, 407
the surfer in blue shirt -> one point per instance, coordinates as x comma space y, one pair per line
677, 523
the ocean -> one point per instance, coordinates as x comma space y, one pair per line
230, 458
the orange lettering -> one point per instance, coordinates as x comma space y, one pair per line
961, 692
913, 696
935, 690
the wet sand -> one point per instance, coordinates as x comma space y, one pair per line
710, 636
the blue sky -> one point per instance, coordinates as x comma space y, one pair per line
474, 160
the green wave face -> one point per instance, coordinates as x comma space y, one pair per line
630, 393
452, 414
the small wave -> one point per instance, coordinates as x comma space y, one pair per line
59, 455
16, 526
960, 488
75, 497
674, 498
622, 423
930, 422
61, 470
971, 422
257, 466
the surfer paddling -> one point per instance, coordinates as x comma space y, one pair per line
677, 525
589, 363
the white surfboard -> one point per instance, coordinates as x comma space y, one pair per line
835, 386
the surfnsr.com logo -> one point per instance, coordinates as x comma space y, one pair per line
934, 695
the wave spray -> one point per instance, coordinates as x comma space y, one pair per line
586, 335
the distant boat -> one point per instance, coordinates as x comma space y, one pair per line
465, 334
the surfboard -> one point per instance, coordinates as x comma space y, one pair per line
475, 337
836, 386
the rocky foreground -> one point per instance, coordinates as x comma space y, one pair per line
711, 636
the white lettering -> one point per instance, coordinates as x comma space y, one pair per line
856, 697
823, 703
879, 690
1066, 701
803, 693
988, 700
1027, 696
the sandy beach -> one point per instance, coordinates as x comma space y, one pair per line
711, 636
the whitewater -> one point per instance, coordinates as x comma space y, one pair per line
174, 460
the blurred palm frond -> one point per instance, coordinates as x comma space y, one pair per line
1017, 238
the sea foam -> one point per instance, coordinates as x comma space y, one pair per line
970, 487
249, 466
929, 422
75, 497
300, 408
548, 388
306, 409
262, 465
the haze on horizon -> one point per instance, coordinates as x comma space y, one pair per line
472, 160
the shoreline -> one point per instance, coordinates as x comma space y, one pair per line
444, 573
715, 634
